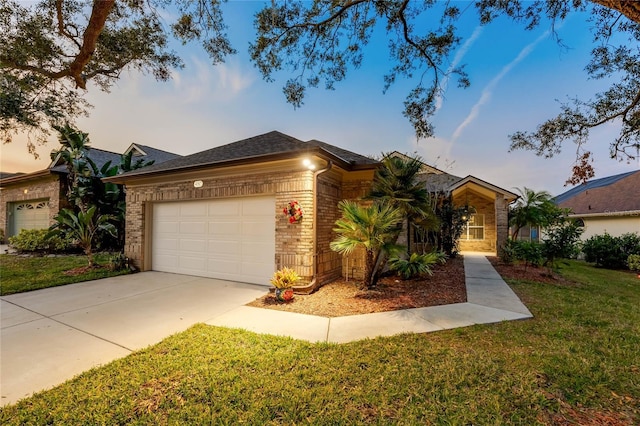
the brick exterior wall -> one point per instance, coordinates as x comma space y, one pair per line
353, 266
47, 187
486, 207
329, 190
294, 245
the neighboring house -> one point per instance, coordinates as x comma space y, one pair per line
32, 200
610, 204
219, 213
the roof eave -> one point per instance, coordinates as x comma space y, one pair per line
318, 151
606, 214
26, 177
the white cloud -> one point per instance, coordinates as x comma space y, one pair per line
487, 92
201, 81
456, 60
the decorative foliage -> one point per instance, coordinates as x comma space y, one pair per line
373, 228
417, 264
84, 227
284, 278
633, 261
293, 211
38, 240
611, 252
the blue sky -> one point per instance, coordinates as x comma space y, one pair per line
517, 77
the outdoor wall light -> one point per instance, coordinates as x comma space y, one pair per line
308, 164
26, 191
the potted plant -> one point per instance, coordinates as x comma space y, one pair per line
283, 280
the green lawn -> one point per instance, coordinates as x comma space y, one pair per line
19, 274
578, 359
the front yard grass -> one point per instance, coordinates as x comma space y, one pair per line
576, 362
19, 274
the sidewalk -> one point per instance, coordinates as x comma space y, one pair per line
489, 300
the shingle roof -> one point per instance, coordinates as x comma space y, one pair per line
98, 156
610, 194
347, 156
155, 154
254, 148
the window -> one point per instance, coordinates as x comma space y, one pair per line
528, 233
474, 229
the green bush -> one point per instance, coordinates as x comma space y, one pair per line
1, 236
562, 242
531, 253
509, 252
417, 264
36, 241
611, 252
633, 262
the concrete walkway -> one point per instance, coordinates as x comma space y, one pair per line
48, 336
489, 300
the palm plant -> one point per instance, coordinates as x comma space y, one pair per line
83, 227
532, 208
396, 183
73, 152
417, 264
373, 228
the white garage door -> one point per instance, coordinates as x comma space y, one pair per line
29, 215
231, 239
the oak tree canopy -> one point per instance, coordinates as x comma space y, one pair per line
51, 49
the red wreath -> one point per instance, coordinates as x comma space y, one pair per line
293, 211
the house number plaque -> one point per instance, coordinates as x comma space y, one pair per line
197, 184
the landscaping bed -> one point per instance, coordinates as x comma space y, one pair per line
342, 298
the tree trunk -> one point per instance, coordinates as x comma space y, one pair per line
369, 270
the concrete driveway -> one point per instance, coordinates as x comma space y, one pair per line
49, 336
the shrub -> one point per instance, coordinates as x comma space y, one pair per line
284, 278
417, 264
36, 240
531, 253
611, 252
1, 236
633, 262
561, 242
118, 262
509, 252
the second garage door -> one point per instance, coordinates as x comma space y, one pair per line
231, 239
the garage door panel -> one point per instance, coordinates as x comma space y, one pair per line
197, 228
193, 209
224, 228
229, 266
231, 249
231, 239
193, 263
225, 208
257, 229
167, 260
167, 210
165, 244
193, 245
163, 227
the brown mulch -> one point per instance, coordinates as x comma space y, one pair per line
527, 272
342, 298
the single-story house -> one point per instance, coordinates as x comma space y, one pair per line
32, 200
606, 205
224, 212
